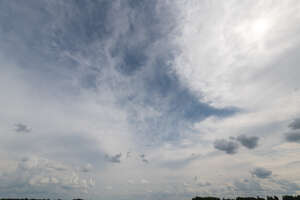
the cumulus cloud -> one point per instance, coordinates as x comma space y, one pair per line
293, 136
230, 147
295, 124
114, 159
22, 128
34, 174
261, 172
249, 142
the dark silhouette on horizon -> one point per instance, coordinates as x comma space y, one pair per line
285, 197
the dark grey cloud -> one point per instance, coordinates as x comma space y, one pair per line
295, 124
22, 128
114, 159
261, 172
249, 142
293, 136
230, 147
143, 158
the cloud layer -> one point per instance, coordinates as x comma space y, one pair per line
134, 99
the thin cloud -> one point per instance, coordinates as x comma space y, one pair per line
130, 181
288, 186
128, 154
248, 186
108, 187
144, 181
114, 159
203, 184
180, 163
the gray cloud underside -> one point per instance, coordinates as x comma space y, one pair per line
261, 172
22, 128
293, 136
228, 146
249, 142
114, 159
295, 124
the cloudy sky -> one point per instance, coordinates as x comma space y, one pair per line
132, 99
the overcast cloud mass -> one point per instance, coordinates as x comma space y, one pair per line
133, 99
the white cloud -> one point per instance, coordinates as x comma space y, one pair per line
228, 68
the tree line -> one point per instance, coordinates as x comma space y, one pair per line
286, 197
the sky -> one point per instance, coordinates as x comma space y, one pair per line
146, 99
